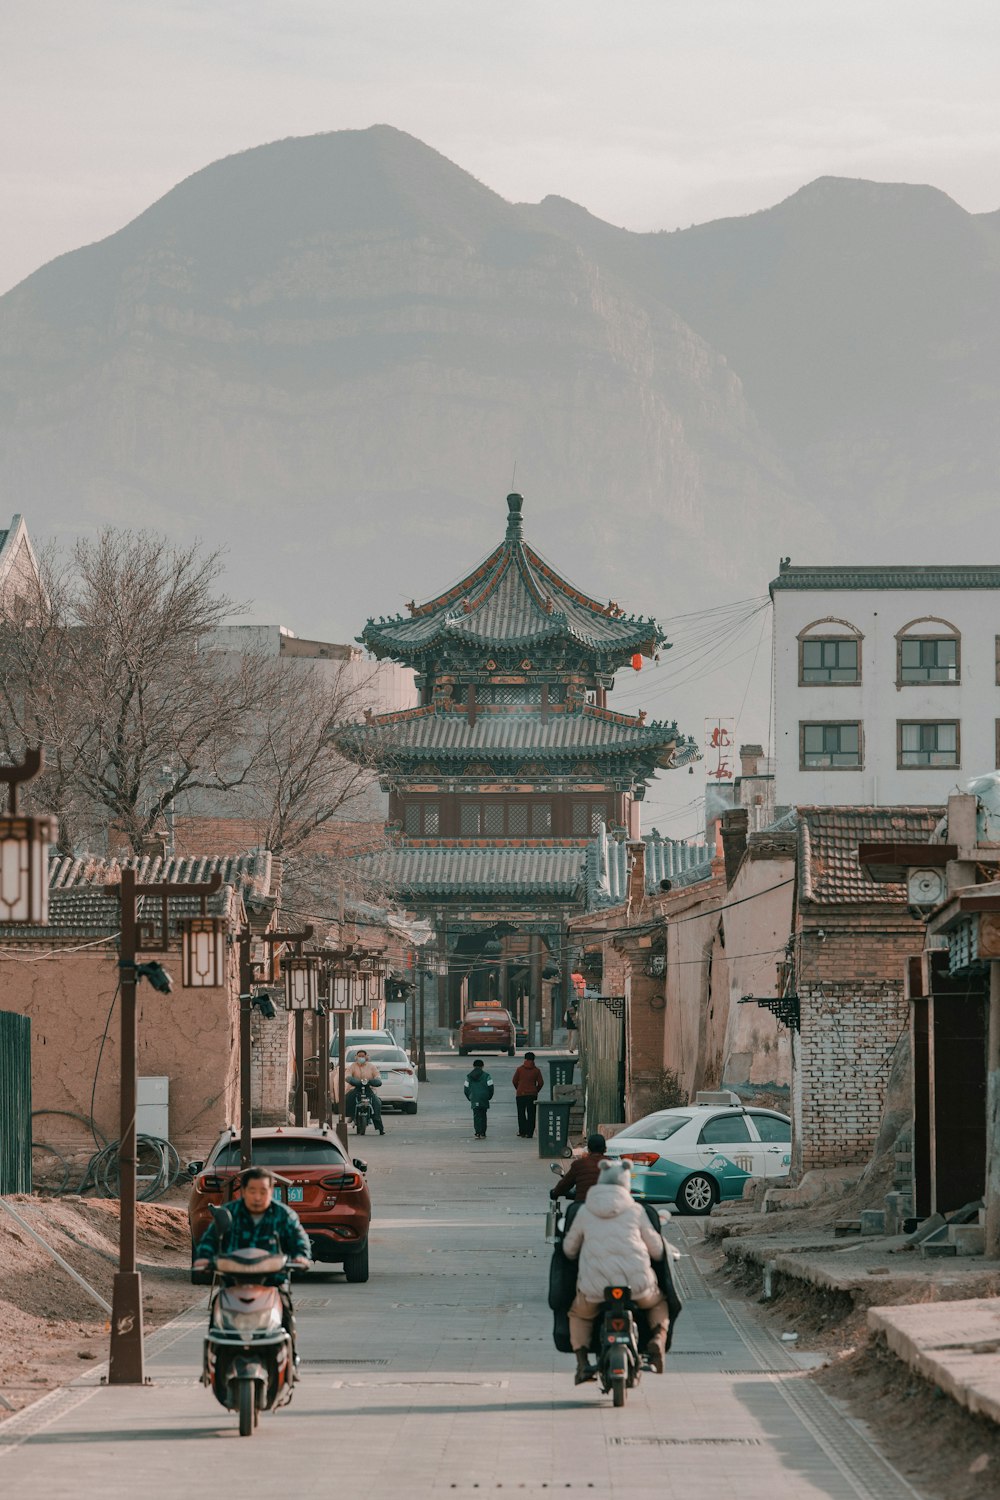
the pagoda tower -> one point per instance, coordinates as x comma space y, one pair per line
500, 779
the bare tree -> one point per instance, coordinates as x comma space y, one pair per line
301, 783
116, 676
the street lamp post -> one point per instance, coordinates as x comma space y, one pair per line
126, 1365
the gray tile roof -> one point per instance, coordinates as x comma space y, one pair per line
252, 872
513, 732
828, 839
904, 576
553, 870
666, 859
512, 599
85, 912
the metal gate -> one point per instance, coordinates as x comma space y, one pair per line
601, 1025
15, 1103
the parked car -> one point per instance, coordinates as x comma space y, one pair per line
399, 1076
383, 1038
325, 1188
486, 1030
701, 1154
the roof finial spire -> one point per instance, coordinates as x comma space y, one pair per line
514, 503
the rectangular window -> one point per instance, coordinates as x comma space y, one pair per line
830, 747
468, 818
541, 819
922, 743
833, 659
420, 817
411, 817
493, 819
581, 819
517, 819
432, 817
928, 659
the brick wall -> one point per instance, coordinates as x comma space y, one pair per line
850, 988
271, 1068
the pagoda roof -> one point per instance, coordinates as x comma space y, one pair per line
513, 733
512, 599
553, 869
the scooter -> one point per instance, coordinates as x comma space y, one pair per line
363, 1105
248, 1358
616, 1337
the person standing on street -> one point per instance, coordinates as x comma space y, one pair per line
528, 1084
583, 1171
479, 1092
572, 1034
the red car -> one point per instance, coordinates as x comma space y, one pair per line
486, 1030
315, 1178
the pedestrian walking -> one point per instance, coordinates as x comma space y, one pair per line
479, 1092
572, 1017
528, 1084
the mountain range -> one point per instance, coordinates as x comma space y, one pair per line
328, 355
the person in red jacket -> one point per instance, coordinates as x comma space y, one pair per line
528, 1083
583, 1171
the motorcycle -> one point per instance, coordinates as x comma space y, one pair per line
363, 1104
620, 1330
248, 1357
616, 1337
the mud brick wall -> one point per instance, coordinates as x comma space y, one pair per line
852, 1015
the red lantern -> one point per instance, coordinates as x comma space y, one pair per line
637, 662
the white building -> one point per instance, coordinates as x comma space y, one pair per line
886, 682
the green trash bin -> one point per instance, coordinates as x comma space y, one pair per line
561, 1071
553, 1128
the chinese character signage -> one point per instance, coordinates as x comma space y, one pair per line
719, 736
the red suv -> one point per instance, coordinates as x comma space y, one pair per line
486, 1030
314, 1177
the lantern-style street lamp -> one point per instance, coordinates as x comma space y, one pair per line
24, 852
301, 982
203, 952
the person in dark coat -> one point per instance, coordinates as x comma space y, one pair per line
583, 1171
479, 1092
528, 1084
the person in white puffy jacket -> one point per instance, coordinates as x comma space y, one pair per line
616, 1245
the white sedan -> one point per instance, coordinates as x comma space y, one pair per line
698, 1155
399, 1075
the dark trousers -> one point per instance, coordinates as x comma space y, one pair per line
479, 1113
525, 1114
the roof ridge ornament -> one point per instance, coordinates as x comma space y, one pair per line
514, 505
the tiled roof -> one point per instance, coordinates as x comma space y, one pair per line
85, 912
951, 576
512, 599
516, 870
513, 732
252, 872
666, 859
829, 872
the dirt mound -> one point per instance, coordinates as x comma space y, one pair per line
52, 1323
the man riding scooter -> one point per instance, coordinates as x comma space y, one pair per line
258, 1222
360, 1072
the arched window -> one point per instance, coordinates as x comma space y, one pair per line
829, 653
928, 650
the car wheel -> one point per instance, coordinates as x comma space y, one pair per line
356, 1266
409, 1109
697, 1194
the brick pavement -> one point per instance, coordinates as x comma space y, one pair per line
439, 1376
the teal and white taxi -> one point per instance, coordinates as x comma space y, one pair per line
702, 1154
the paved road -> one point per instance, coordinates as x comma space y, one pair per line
439, 1376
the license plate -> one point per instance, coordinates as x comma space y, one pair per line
296, 1194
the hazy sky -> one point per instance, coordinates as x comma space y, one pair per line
652, 113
